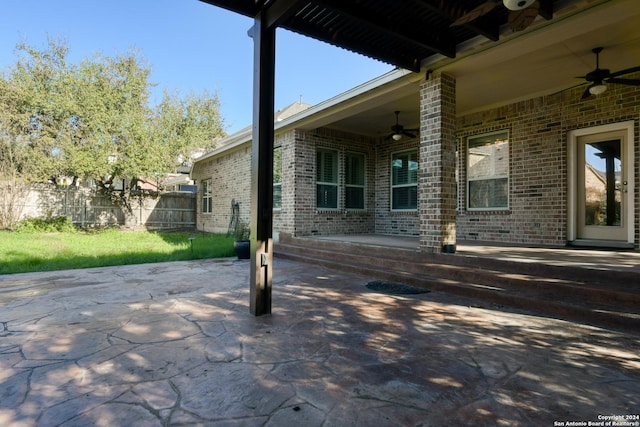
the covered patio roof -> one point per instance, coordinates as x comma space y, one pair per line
544, 59
402, 33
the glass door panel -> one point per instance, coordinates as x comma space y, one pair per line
601, 189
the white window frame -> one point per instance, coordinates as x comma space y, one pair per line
335, 184
493, 136
347, 156
206, 197
406, 185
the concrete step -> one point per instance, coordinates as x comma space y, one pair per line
605, 298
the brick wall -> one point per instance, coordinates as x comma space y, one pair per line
230, 176
284, 219
537, 213
308, 219
436, 191
390, 222
538, 162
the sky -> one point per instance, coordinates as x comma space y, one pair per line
190, 46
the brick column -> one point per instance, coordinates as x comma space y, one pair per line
436, 175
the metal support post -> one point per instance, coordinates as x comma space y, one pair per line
262, 165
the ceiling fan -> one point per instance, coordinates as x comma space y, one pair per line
521, 12
599, 77
398, 131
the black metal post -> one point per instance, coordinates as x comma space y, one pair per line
262, 165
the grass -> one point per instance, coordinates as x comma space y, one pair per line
47, 251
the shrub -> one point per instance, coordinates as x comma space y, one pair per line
61, 224
242, 232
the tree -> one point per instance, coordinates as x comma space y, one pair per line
16, 167
93, 121
13, 187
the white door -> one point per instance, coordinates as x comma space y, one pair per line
602, 187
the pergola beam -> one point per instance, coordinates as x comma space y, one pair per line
280, 11
444, 9
546, 9
443, 44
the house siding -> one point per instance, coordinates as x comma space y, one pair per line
436, 192
537, 212
537, 176
230, 175
310, 220
387, 221
283, 218
538, 129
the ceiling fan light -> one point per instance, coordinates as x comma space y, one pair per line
396, 136
517, 4
597, 89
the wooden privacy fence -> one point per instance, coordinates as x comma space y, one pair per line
86, 208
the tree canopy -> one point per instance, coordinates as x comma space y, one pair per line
93, 120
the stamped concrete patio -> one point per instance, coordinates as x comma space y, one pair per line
174, 344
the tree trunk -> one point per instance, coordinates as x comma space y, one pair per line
130, 219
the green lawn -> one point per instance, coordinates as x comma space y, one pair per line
25, 252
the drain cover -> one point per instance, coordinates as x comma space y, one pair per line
394, 288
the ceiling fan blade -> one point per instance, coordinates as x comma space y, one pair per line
521, 19
630, 82
586, 94
473, 14
623, 72
408, 134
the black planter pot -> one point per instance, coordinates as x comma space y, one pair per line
242, 249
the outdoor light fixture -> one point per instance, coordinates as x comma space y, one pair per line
517, 4
597, 89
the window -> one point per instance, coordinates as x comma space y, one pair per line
206, 196
404, 180
327, 179
277, 178
354, 181
488, 172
